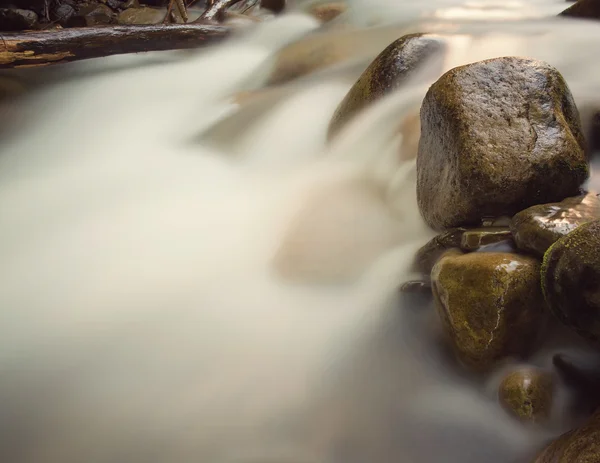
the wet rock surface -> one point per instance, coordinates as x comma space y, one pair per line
527, 394
580, 445
458, 238
571, 280
386, 73
490, 304
535, 229
584, 9
497, 136
429, 254
14, 19
416, 286
476, 238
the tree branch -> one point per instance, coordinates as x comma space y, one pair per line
47, 47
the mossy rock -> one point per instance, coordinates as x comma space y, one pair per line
571, 280
490, 304
580, 445
527, 394
386, 73
537, 228
497, 136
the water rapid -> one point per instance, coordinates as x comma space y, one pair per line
189, 276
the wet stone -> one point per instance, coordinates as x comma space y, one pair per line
14, 19
580, 445
527, 394
497, 136
589, 9
464, 239
490, 305
429, 254
416, 286
95, 14
386, 73
63, 13
535, 229
571, 280
475, 238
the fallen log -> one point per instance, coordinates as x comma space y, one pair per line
36, 48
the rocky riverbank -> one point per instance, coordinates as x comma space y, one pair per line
502, 164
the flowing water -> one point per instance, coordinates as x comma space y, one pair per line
190, 277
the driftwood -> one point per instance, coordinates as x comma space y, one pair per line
47, 47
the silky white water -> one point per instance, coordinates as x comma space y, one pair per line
185, 278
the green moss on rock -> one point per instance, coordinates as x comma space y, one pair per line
571, 280
490, 305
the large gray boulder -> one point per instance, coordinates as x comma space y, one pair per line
497, 136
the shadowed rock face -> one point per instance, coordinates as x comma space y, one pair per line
571, 280
535, 229
497, 136
583, 9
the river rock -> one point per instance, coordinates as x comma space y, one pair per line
571, 280
490, 304
14, 19
386, 73
497, 136
458, 238
476, 238
429, 254
535, 229
142, 15
94, 14
527, 394
62, 13
580, 445
326, 12
584, 9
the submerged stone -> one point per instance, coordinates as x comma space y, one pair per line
497, 136
571, 280
535, 229
142, 15
580, 445
490, 304
386, 73
416, 286
527, 394
326, 12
